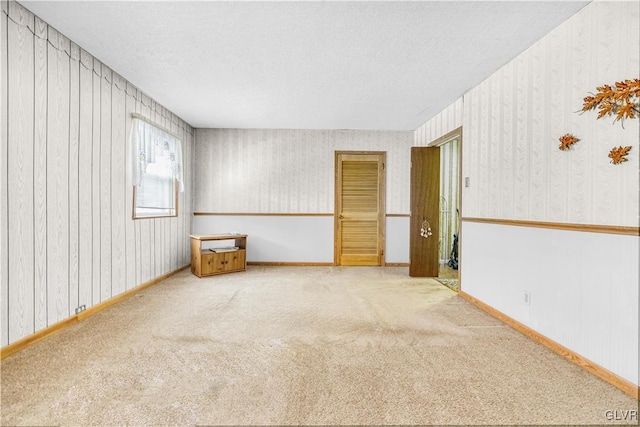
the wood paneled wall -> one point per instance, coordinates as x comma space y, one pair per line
288, 171
511, 125
442, 123
68, 237
513, 120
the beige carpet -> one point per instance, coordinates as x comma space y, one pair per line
288, 345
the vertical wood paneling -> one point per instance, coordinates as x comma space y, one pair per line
171, 243
95, 181
85, 189
629, 197
189, 185
535, 98
186, 211
68, 237
506, 127
557, 86
186, 229
520, 122
131, 232
495, 147
40, 174
147, 226
58, 177
4, 205
182, 220
137, 225
175, 247
20, 170
288, 171
74, 184
539, 103
181, 205
484, 168
578, 191
105, 184
467, 163
521, 141
612, 57
119, 145
442, 123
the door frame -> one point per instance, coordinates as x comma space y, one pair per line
456, 133
382, 197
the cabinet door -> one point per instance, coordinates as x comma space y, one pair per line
235, 260
220, 262
208, 264
242, 259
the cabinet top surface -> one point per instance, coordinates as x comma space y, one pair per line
217, 236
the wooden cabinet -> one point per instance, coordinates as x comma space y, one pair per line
206, 263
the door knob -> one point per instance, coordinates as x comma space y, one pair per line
341, 217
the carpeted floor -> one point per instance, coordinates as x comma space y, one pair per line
289, 345
449, 283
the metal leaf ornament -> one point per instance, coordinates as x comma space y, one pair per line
566, 141
619, 154
622, 100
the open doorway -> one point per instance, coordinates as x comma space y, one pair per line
434, 234
449, 218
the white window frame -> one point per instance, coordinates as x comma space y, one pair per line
155, 149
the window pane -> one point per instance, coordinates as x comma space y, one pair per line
157, 163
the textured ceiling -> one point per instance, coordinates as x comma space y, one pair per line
305, 65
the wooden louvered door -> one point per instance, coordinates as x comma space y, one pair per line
359, 212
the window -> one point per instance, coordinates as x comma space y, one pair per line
157, 170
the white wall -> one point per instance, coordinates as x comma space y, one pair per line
583, 285
297, 239
287, 239
68, 238
291, 172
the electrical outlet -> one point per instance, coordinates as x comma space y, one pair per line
80, 309
467, 182
527, 297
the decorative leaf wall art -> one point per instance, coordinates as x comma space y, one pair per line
619, 154
566, 141
622, 100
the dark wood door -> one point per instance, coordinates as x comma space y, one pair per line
425, 211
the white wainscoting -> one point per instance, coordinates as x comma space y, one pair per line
397, 239
276, 238
583, 286
68, 237
297, 239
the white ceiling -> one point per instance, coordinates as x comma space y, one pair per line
305, 65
